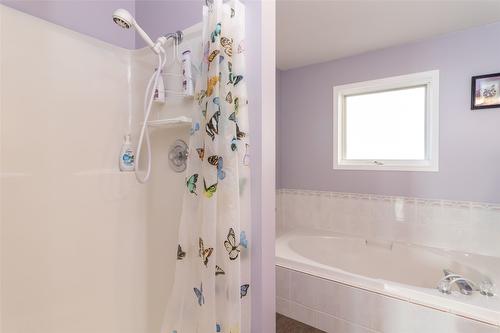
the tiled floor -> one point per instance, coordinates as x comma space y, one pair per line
287, 325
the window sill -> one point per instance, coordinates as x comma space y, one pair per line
386, 166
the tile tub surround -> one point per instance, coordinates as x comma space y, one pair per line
453, 225
339, 308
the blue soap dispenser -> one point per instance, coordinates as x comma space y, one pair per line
127, 156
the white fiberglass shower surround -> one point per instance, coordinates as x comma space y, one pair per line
85, 247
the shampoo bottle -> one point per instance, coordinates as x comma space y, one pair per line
159, 94
187, 80
127, 157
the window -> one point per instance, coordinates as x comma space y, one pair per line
388, 124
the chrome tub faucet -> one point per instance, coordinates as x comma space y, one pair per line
466, 286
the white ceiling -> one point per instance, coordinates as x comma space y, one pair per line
312, 31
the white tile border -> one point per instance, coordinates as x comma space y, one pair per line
462, 226
377, 197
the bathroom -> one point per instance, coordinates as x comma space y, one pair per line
237, 166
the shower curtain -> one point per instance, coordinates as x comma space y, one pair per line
211, 291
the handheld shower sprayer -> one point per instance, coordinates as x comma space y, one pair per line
125, 20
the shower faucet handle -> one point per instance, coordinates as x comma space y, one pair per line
486, 287
178, 155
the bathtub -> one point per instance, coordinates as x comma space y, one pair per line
327, 280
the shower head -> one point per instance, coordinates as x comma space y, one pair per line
125, 20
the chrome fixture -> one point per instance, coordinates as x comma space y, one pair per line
177, 36
486, 287
177, 157
466, 286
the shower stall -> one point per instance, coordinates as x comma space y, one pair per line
84, 246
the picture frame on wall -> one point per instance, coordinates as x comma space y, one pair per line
485, 91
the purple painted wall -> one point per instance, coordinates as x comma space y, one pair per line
262, 162
469, 141
162, 16
92, 18
278, 128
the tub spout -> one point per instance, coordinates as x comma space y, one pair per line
465, 286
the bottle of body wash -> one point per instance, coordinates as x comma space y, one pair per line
159, 94
187, 78
127, 156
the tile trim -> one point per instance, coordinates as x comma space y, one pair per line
376, 197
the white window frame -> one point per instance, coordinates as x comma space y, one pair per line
430, 80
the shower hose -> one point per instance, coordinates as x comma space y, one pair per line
144, 135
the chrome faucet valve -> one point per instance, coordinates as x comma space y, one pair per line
487, 288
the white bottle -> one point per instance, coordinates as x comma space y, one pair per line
159, 94
187, 80
127, 156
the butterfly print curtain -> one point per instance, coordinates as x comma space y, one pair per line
211, 292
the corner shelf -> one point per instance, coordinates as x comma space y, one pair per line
170, 122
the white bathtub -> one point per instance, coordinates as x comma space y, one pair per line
394, 271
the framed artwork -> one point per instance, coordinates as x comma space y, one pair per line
485, 91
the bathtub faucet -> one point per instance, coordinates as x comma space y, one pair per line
466, 286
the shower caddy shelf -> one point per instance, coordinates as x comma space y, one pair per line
174, 92
170, 122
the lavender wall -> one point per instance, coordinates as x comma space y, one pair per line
469, 141
92, 18
278, 128
162, 16
262, 160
